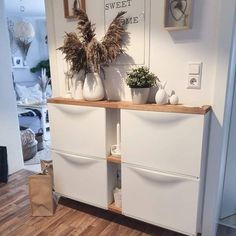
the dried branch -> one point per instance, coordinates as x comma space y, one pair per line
74, 52
113, 38
85, 52
85, 27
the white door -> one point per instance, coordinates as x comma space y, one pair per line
163, 141
169, 201
81, 178
228, 207
78, 130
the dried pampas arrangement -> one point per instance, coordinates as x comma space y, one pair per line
24, 34
84, 52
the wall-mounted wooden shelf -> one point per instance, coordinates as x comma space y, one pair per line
112, 207
20, 67
130, 106
113, 159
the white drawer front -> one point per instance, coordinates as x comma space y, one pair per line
81, 178
169, 201
79, 130
163, 141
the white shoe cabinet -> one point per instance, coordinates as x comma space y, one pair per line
163, 161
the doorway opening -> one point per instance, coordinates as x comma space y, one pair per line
31, 77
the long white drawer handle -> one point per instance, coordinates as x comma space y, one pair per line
75, 111
161, 177
76, 159
166, 119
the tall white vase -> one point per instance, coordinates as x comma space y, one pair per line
77, 86
93, 89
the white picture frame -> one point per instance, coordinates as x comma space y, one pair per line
17, 61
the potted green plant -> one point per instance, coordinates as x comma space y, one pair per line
44, 64
140, 80
84, 52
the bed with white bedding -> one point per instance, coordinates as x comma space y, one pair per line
32, 112
29, 117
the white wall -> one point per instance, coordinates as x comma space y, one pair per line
30, 8
169, 52
9, 127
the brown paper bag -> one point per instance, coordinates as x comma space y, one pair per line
41, 195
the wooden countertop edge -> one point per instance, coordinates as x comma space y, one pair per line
130, 106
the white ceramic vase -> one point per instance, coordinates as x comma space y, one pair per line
93, 89
140, 95
77, 87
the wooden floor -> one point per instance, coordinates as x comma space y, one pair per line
71, 218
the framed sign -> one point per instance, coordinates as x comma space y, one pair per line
71, 5
137, 22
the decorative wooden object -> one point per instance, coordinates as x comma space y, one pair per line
178, 14
69, 7
112, 159
112, 207
130, 106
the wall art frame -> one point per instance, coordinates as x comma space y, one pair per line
178, 14
17, 62
69, 6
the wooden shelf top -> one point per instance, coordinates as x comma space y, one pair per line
130, 106
114, 159
112, 207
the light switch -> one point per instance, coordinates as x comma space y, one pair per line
194, 68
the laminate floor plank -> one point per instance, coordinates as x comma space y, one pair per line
71, 218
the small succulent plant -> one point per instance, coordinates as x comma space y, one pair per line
141, 77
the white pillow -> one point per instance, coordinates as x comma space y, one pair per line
35, 93
31, 94
22, 92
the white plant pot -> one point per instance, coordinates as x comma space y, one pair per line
140, 95
161, 97
93, 89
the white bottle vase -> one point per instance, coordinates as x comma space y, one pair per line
93, 89
78, 83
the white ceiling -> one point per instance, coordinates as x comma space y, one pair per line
25, 7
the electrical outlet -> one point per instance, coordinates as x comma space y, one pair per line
194, 82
